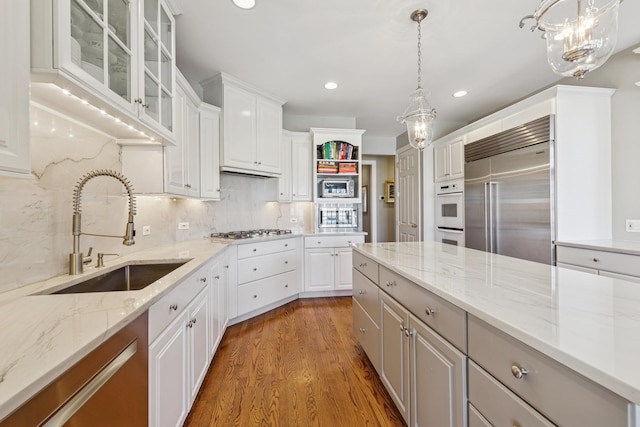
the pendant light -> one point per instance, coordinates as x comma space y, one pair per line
580, 34
419, 115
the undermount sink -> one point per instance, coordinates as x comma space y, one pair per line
131, 277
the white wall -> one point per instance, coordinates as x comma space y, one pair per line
621, 72
35, 215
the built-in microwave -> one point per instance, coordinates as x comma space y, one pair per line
334, 217
337, 188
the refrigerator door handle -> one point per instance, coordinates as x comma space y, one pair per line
493, 223
487, 217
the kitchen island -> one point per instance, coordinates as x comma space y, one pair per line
584, 326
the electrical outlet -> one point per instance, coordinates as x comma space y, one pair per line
146, 230
183, 226
293, 220
633, 225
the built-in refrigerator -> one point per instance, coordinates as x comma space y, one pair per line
509, 192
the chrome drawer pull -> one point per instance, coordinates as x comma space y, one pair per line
254, 249
173, 307
255, 269
407, 332
518, 372
428, 311
596, 260
217, 277
203, 279
363, 330
364, 264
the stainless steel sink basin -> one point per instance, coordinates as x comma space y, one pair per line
127, 278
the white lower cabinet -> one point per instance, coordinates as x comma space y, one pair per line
267, 272
327, 262
178, 361
181, 327
424, 374
617, 265
218, 269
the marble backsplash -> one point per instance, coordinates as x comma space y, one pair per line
35, 214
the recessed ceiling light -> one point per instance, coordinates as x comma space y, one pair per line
245, 4
637, 83
331, 85
636, 50
460, 94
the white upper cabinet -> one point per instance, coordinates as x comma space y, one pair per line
449, 160
295, 182
251, 126
188, 168
116, 55
14, 86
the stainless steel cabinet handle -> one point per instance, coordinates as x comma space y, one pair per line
428, 311
364, 264
190, 324
518, 372
363, 330
217, 277
286, 262
402, 328
407, 332
255, 296
254, 249
203, 279
362, 292
286, 286
414, 225
173, 307
596, 260
194, 320
255, 269
226, 266
286, 245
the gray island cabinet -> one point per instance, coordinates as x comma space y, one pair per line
461, 337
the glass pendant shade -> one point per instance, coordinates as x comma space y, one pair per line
580, 34
419, 117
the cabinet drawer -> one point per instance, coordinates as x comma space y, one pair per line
599, 260
331, 241
259, 267
263, 248
170, 306
260, 293
476, 419
443, 317
366, 293
366, 266
559, 393
368, 334
498, 405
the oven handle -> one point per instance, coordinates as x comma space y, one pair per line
449, 194
450, 230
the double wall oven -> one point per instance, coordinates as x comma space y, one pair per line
450, 212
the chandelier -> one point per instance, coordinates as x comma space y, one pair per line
419, 116
580, 34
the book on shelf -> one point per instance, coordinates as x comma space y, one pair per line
337, 150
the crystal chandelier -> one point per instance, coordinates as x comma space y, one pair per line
580, 34
419, 115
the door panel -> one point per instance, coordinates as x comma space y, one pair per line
395, 357
476, 174
408, 196
523, 203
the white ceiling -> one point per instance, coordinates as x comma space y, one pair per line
290, 48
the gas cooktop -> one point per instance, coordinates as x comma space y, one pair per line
250, 234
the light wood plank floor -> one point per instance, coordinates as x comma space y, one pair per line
298, 365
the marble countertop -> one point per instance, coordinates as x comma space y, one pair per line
619, 246
44, 335
587, 322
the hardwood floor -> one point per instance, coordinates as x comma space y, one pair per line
298, 365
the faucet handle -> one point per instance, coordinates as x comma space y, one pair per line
101, 255
87, 259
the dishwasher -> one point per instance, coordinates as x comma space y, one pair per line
108, 387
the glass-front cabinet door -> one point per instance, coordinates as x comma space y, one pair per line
158, 62
98, 46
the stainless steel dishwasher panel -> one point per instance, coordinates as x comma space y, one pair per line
108, 387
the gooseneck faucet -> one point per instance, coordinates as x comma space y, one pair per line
76, 259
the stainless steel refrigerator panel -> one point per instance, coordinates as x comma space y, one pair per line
521, 210
476, 175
